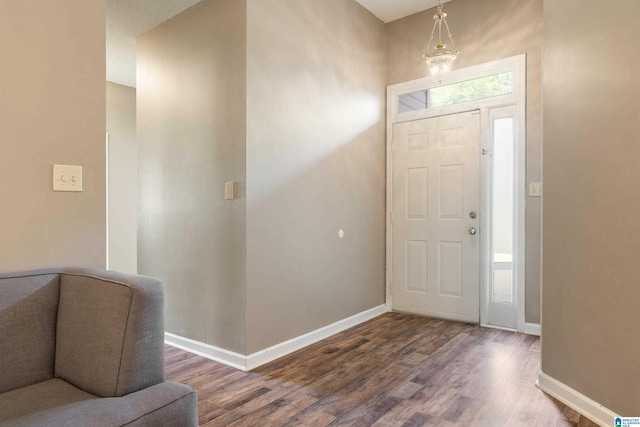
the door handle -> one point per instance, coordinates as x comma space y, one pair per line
472, 231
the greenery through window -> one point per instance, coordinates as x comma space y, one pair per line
469, 90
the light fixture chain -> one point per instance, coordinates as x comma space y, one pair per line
453, 45
433, 30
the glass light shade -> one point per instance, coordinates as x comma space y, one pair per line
440, 62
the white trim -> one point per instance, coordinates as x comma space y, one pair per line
259, 358
434, 314
517, 65
521, 171
274, 352
577, 401
500, 328
391, 108
106, 258
532, 329
209, 351
529, 328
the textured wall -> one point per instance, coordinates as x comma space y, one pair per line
52, 110
591, 239
123, 178
191, 135
485, 31
315, 164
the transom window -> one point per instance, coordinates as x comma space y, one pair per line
456, 93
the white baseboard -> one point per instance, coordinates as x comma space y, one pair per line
272, 353
209, 351
597, 413
252, 361
532, 329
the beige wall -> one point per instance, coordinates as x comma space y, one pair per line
123, 178
315, 164
485, 31
591, 239
52, 110
191, 135
315, 95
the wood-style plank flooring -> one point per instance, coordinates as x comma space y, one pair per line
395, 370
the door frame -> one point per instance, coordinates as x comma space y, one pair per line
517, 66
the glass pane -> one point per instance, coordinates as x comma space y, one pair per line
471, 90
413, 101
455, 93
503, 210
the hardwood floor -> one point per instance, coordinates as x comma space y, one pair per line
395, 370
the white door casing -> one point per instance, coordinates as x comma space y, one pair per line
436, 187
489, 108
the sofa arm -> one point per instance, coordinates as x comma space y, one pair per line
181, 410
167, 404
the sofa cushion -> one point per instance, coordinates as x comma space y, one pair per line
28, 310
39, 397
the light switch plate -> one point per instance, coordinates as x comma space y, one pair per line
67, 178
229, 191
535, 189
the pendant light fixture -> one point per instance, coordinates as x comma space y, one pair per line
440, 60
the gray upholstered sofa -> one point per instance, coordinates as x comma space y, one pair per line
85, 348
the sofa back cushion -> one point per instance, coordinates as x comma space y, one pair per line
28, 307
92, 319
110, 332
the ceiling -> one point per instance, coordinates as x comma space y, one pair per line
127, 19
390, 10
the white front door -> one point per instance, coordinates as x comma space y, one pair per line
435, 211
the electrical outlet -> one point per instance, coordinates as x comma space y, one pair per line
67, 178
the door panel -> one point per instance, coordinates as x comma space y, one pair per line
417, 193
416, 266
451, 191
435, 185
